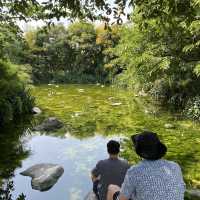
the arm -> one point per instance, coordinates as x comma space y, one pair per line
128, 187
95, 173
94, 178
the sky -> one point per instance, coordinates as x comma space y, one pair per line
31, 25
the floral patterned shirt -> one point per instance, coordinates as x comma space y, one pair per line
154, 180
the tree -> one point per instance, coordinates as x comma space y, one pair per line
15, 100
108, 39
48, 50
160, 50
66, 55
35, 9
12, 44
82, 38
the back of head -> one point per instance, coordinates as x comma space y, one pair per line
113, 147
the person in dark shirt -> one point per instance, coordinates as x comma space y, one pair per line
109, 171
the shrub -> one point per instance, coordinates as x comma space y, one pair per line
192, 109
15, 99
6, 191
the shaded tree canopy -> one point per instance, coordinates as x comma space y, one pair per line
88, 9
94, 9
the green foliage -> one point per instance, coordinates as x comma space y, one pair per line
82, 39
73, 55
108, 39
12, 44
15, 100
47, 10
47, 52
192, 109
159, 52
6, 190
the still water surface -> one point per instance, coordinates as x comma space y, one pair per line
75, 155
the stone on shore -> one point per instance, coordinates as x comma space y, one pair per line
44, 176
36, 111
49, 124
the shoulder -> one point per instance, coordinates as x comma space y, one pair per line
99, 163
102, 162
133, 174
172, 164
135, 169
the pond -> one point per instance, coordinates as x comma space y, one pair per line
92, 114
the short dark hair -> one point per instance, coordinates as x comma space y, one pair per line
113, 147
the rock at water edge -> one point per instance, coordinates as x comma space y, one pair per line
44, 176
49, 124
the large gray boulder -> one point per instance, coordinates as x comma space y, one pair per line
90, 196
49, 124
44, 176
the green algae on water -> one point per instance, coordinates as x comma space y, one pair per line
87, 110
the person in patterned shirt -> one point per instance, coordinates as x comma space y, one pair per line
153, 178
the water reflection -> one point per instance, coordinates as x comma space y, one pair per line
77, 157
11, 156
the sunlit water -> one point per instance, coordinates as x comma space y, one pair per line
92, 115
